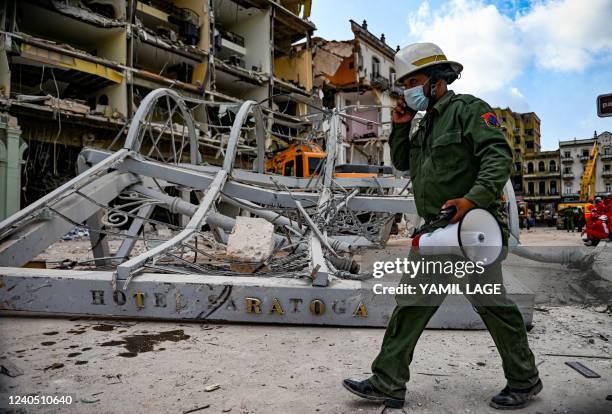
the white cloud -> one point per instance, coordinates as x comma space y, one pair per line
513, 98
477, 36
559, 35
516, 93
567, 35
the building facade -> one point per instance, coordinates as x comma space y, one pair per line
574, 156
74, 72
358, 76
523, 133
542, 181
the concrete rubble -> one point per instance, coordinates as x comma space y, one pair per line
251, 241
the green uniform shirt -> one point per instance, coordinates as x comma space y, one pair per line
455, 152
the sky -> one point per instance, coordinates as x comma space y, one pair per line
551, 57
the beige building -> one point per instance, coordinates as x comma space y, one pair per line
74, 72
574, 156
523, 133
542, 180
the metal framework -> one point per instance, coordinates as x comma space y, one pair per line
158, 178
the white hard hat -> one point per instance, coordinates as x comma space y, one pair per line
417, 56
603, 218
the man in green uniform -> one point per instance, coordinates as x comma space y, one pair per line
570, 223
458, 157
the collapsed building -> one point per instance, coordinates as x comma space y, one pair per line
72, 73
166, 112
358, 76
171, 232
172, 237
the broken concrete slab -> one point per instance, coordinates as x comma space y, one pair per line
251, 242
200, 297
10, 369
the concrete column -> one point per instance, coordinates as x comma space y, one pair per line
12, 148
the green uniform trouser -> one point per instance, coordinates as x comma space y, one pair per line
571, 225
500, 315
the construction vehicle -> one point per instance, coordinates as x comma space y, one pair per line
306, 160
587, 186
587, 191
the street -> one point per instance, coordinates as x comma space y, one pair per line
114, 366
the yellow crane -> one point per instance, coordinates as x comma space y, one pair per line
587, 190
587, 186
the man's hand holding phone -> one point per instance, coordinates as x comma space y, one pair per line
401, 113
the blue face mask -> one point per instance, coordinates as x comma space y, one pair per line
415, 98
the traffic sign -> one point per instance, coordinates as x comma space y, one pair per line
604, 105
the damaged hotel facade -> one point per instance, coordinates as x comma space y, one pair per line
72, 75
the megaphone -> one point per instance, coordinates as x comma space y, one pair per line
477, 237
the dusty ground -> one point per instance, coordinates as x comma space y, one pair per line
272, 369
549, 236
161, 367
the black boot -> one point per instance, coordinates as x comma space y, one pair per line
513, 399
365, 389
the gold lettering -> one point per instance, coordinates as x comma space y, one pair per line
317, 307
361, 311
253, 305
178, 300
139, 300
276, 307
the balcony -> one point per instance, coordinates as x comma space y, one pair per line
540, 174
568, 176
380, 82
606, 157
230, 45
547, 195
567, 160
607, 174
584, 158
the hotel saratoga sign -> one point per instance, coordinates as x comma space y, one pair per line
251, 305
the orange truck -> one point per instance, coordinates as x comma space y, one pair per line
306, 159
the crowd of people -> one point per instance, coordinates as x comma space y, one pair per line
595, 221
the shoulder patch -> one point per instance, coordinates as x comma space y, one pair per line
490, 119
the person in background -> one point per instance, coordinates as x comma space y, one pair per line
528, 219
581, 222
608, 204
570, 224
597, 230
599, 205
